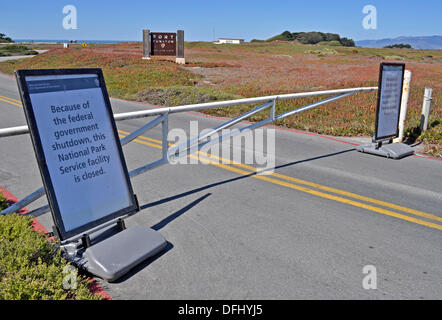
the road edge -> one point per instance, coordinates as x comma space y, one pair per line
333, 138
200, 114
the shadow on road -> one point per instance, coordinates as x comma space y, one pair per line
183, 210
169, 245
175, 215
314, 158
144, 264
212, 185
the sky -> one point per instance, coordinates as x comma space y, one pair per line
209, 19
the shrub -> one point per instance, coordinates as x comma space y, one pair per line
4, 38
323, 52
313, 37
332, 37
347, 42
31, 267
14, 48
182, 95
3, 202
285, 36
394, 57
399, 46
11, 49
330, 43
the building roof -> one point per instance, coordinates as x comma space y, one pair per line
229, 39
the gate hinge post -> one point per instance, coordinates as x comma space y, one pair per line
273, 109
165, 131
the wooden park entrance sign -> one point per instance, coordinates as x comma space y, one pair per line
164, 44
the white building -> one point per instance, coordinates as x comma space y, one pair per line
229, 40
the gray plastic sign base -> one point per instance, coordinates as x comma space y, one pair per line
112, 257
393, 150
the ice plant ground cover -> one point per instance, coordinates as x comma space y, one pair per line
3, 202
220, 72
31, 266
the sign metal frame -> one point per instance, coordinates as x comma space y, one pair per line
377, 138
38, 149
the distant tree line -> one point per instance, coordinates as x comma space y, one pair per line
4, 38
313, 37
400, 46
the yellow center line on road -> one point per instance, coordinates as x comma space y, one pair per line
157, 144
316, 185
11, 101
8, 98
301, 188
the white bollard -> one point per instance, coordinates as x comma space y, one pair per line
404, 105
426, 106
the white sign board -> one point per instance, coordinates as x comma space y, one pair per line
389, 100
80, 157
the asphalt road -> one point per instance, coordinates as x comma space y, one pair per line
305, 232
20, 57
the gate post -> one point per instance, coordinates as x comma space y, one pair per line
146, 44
426, 106
180, 47
404, 105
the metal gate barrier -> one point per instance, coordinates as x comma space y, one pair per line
193, 144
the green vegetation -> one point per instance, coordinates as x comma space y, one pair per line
228, 71
31, 267
4, 38
181, 95
3, 202
313, 37
323, 52
15, 50
394, 57
125, 74
333, 43
399, 46
347, 42
431, 138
